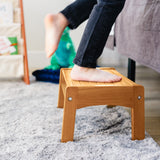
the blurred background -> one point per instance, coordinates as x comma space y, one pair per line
34, 12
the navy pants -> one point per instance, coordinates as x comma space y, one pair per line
102, 14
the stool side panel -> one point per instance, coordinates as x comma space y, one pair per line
61, 92
67, 77
102, 96
63, 82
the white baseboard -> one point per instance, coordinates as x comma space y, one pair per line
37, 60
111, 58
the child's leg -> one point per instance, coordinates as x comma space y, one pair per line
54, 25
78, 12
71, 16
93, 41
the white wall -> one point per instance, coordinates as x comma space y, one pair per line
35, 11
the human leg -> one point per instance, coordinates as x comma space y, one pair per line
78, 12
54, 26
93, 41
72, 16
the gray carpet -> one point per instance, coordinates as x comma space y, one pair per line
30, 128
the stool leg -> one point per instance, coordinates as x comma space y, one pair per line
69, 116
60, 97
137, 112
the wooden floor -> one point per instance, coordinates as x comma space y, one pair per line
151, 82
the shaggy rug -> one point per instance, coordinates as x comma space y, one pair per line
30, 128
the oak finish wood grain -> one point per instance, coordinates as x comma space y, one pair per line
79, 94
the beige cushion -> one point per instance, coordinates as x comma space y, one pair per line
11, 66
14, 2
20, 46
10, 30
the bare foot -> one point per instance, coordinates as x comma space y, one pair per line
54, 25
93, 75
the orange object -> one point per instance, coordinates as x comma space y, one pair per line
26, 70
14, 44
74, 95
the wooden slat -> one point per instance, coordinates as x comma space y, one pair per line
128, 81
26, 70
106, 68
85, 83
67, 77
124, 82
89, 96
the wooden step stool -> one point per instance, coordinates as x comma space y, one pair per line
78, 94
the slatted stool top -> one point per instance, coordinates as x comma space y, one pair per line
79, 94
74, 83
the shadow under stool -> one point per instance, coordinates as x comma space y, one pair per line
74, 95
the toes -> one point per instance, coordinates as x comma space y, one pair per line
116, 79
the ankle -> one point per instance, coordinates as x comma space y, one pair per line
62, 20
80, 69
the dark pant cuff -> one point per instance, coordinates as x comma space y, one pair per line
84, 64
67, 14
